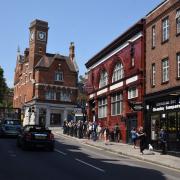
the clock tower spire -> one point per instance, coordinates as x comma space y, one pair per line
37, 41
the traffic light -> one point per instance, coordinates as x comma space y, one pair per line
32, 109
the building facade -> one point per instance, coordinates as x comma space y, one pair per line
115, 82
163, 72
45, 84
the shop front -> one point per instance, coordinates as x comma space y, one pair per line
164, 113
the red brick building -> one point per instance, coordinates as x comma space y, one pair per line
45, 84
163, 71
115, 82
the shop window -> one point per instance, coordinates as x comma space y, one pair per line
178, 123
172, 126
155, 126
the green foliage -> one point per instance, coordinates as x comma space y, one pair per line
3, 87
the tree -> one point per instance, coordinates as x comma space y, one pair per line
3, 86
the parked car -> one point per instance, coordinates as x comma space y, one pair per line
35, 136
10, 127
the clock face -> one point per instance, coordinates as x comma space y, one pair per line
41, 36
31, 35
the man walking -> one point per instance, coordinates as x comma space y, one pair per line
163, 140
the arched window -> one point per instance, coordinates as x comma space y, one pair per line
118, 72
103, 79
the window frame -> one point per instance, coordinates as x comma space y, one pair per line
103, 79
153, 74
102, 107
178, 22
59, 74
153, 35
131, 90
165, 69
165, 29
178, 64
118, 72
115, 101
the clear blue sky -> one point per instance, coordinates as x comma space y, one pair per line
90, 24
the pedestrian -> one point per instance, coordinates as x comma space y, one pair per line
106, 134
134, 136
163, 140
116, 133
99, 130
142, 138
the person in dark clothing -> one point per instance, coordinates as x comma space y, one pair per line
116, 133
163, 140
142, 138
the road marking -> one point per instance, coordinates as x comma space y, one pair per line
99, 169
60, 152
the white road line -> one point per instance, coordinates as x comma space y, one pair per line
99, 169
60, 152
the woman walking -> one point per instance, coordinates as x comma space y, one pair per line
134, 136
142, 137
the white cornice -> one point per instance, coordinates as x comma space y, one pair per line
122, 46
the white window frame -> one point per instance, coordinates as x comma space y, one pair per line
165, 29
118, 72
132, 92
65, 96
153, 36
153, 74
165, 70
178, 21
102, 108
103, 79
58, 76
116, 104
178, 64
50, 95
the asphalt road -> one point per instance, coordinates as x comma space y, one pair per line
72, 160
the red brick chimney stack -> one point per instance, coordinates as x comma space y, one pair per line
71, 51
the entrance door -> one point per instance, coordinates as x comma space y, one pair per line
131, 123
55, 119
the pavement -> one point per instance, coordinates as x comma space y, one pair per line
127, 150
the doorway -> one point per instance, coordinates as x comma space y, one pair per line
131, 123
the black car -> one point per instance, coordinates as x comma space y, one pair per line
35, 136
10, 127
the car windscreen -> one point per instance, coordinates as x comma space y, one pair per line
12, 122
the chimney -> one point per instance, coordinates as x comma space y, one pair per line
71, 51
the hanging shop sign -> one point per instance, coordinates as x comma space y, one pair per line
136, 106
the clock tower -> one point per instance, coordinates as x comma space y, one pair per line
37, 41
